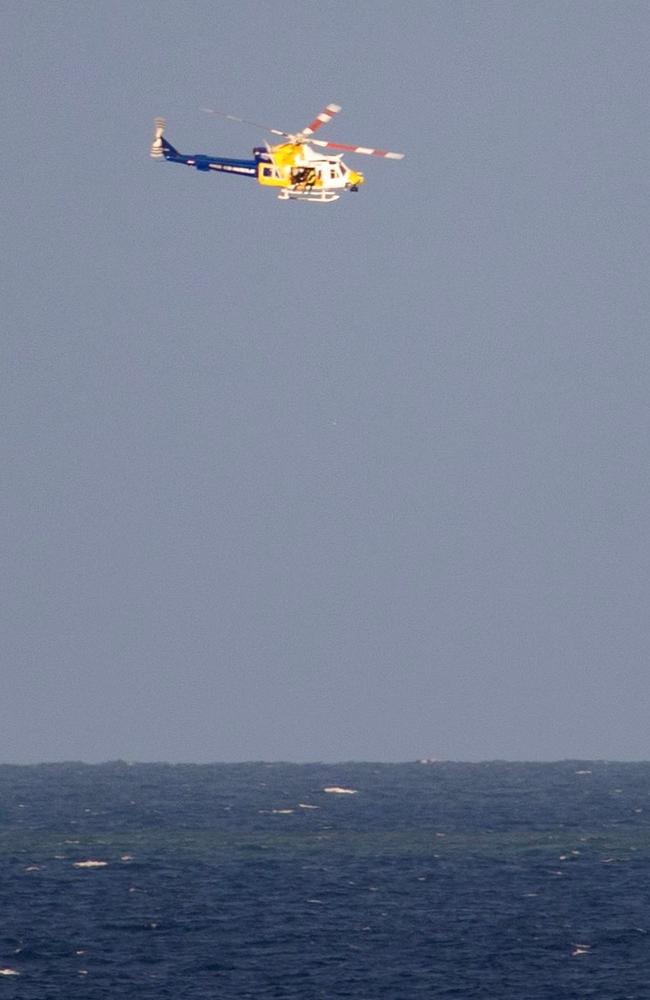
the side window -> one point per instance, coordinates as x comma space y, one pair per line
268, 171
332, 173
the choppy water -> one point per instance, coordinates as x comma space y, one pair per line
526, 881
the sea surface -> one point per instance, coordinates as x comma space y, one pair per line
234, 881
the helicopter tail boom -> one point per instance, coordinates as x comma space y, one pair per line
161, 149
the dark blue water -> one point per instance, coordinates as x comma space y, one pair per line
436, 880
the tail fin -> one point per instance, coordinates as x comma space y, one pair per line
158, 145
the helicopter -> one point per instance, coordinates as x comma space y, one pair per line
300, 171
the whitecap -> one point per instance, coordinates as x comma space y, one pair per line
337, 790
9, 972
91, 863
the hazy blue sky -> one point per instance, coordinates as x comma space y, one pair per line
359, 481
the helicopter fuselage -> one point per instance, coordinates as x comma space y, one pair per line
304, 174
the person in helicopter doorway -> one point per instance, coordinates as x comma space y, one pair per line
304, 176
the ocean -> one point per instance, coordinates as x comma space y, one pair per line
232, 881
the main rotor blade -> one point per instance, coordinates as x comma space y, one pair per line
322, 119
356, 149
244, 121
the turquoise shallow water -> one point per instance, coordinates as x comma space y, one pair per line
498, 880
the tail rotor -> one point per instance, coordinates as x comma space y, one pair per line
157, 144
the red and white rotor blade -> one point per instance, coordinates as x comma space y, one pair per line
357, 149
322, 119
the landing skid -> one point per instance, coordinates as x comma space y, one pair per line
307, 194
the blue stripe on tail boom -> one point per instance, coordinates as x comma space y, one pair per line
222, 164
